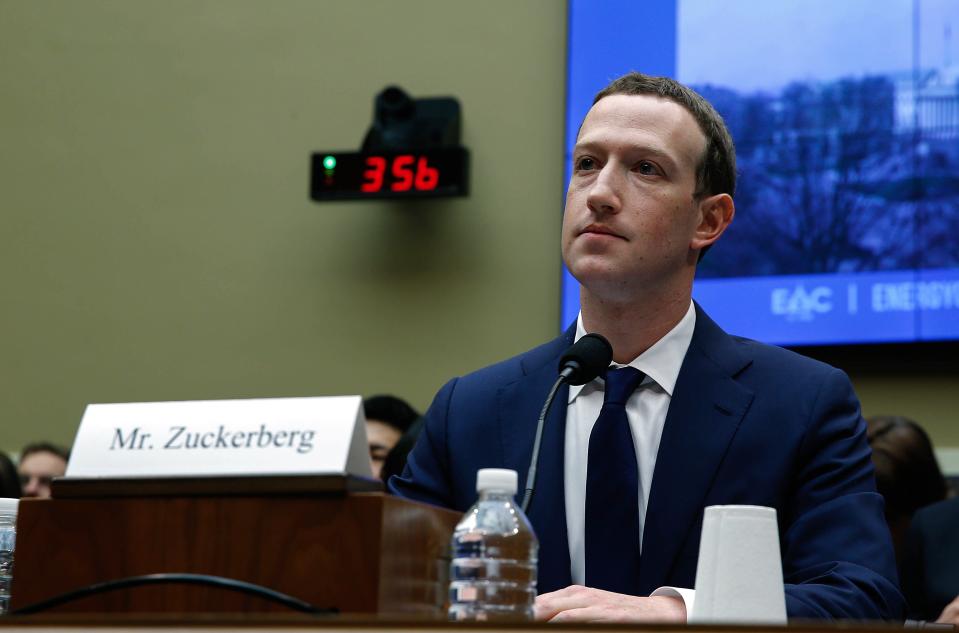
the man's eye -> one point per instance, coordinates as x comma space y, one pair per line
647, 168
585, 163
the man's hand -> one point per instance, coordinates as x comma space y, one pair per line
949, 615
582, 604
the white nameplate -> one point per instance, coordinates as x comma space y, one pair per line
222, 437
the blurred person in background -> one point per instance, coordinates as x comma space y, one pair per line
924, 525
40, 462
387, 419
9, 479
907, 473
395, 460
930, 570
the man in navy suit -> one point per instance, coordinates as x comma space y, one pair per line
714, 419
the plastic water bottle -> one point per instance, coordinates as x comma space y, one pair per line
8, 540
494, 555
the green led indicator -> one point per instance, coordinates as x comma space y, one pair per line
329, 162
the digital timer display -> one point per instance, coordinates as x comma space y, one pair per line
357, 175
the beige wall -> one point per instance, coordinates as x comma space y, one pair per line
157, 238
158, 242
932, 399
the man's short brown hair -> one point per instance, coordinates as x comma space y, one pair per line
716, 172
45, 447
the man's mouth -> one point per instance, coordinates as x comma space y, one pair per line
599, 229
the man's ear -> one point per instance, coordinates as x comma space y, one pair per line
715, 214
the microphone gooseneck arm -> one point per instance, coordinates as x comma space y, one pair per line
534, 461
585, 359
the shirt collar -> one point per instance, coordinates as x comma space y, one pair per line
661, 362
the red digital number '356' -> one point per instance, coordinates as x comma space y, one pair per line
405, 177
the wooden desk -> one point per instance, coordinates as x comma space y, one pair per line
356, 552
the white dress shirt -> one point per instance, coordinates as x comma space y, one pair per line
646, 411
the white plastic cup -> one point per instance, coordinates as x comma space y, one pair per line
739, 577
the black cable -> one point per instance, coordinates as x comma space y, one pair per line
534, 461
187, 579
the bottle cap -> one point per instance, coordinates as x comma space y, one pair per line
499, 479
9, 506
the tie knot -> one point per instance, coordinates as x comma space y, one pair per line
620, 384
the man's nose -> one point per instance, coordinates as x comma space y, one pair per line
604, 194
32, 487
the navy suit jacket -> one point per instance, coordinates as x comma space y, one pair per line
747, 424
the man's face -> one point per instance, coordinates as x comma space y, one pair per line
37, 469
631, 217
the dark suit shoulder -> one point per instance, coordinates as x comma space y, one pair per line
512, 369
942, 516
737, 355
463, 429
772, 373
817, 396
786, 361
930, 566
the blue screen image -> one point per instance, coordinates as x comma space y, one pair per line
845, 117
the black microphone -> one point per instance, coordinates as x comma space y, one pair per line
586, 359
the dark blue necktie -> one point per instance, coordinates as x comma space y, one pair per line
612, 491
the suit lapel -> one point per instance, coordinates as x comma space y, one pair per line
519, 405
704, 414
